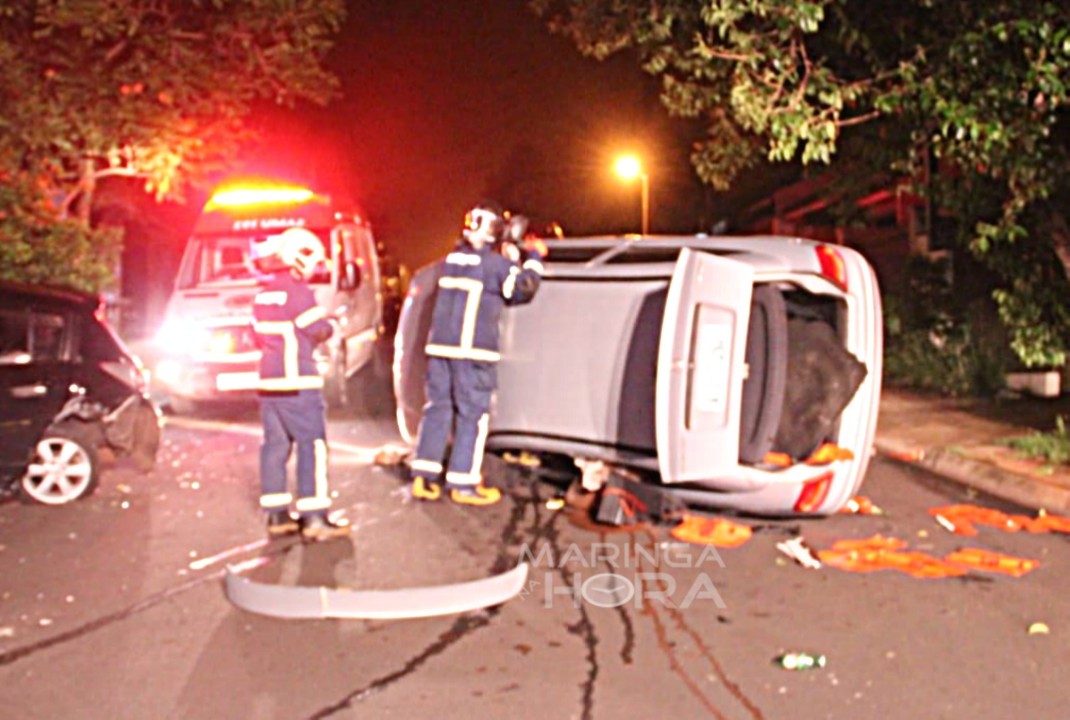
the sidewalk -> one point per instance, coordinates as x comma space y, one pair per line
957, 439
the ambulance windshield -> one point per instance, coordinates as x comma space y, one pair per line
227, 260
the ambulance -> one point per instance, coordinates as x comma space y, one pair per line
205, 347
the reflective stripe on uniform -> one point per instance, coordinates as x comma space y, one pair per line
288, 384
427, 466
273, 501
271, 297
286, 330
311, 504
510, 283
462, 353
457, 258
474, 289
459, 478
310, 316
320, 500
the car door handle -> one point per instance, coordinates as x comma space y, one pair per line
28, 391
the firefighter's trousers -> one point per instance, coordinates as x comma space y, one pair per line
458, 401
294, 419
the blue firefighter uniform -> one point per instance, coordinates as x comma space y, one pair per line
288, 325
462, 352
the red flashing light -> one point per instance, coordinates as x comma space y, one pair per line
814, 493
246, 196
832, 265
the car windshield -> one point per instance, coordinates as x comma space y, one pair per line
225, 259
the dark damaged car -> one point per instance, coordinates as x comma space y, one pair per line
70, 389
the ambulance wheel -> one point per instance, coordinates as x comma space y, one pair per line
335, 384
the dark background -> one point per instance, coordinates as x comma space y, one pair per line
442, 104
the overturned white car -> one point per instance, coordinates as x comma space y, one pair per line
740, 373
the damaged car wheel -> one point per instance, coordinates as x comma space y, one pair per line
65, 466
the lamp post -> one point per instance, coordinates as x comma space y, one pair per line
630, 167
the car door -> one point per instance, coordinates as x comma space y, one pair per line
361, 303
701, 367
33, 380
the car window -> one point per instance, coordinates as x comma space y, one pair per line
27, 337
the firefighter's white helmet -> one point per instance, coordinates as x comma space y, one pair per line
301, 250
484, 224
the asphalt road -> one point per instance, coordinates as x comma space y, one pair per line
114, 607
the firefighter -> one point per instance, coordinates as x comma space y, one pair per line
477, 281
288, 325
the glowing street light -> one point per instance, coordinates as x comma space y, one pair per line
629, 167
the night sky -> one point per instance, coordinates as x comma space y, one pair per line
447, 102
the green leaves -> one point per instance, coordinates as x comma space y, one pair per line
981, 84
158, 91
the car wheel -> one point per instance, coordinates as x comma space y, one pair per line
335, 384
65, 465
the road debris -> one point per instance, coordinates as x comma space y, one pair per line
883, 553
801, 661
988, 561
1039, 628
861, 506
797, 549
391, 455
962, 519
711, 531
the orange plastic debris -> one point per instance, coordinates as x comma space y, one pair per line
875, 542
960, 519
861, 506
828, 453
711, 531
777, 458
1055, 523
989, 561
881, 553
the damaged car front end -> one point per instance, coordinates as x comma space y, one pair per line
73, 393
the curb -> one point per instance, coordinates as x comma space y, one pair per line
979, 475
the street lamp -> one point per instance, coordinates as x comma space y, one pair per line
629, 167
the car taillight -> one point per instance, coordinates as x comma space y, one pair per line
832, 266
813, 493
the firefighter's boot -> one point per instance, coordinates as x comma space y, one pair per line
280, 523
424, 489
320, 527
475, 495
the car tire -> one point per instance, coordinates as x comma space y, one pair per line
65, 465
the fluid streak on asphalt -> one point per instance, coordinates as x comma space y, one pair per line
17, 654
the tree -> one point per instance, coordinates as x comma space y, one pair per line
160, 91
978, 86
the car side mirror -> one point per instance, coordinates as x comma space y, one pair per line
350, 277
